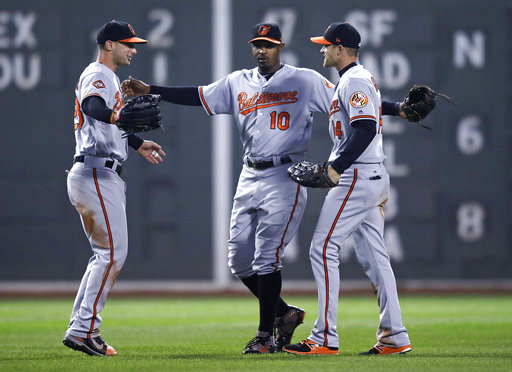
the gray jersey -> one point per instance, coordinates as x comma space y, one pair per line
93, 137
274, 116
98, 194
354, 208
357, 97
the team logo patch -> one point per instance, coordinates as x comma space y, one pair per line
358, 99
98, 84
263, 30
131, 30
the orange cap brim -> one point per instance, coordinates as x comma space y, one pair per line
320, 40
265, 38
135, 40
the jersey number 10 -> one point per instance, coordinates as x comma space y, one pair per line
282, 120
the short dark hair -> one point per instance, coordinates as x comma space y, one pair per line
353, 52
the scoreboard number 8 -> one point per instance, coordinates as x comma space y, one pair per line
470, 221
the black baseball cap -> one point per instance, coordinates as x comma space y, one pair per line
266, 31
118, 31
339, 33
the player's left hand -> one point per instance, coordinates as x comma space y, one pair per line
310, 174
151, 151
419, 103
333, 175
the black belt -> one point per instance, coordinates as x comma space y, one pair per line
261, 165
108, 163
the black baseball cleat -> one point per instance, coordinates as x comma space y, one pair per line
285, 325
380, 349
308, 347
92, 346
263, 343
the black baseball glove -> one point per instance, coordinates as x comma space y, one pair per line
310, 174
140, 114
420, 101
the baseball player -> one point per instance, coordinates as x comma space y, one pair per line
273, 106
354, 206
94, 185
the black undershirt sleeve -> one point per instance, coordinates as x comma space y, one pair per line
390, 108
179, 95
361, 137
96, 108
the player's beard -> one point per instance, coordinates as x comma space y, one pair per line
267, 64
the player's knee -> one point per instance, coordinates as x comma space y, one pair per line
267, 267
240, 269
315, 250
241, 273
118, 264
240, 259
119, 259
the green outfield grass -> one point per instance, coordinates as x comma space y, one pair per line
462, 333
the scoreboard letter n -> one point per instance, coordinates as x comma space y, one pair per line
469, 48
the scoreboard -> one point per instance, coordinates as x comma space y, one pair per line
449, 213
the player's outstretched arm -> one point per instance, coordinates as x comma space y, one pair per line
134, 87
151, 151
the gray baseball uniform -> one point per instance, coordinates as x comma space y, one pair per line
98, 194
274, 118
354, 207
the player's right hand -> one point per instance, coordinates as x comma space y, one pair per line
134, 87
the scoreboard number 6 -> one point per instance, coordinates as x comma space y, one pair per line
470, 221
470, 139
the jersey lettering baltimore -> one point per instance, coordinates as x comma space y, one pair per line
247, 105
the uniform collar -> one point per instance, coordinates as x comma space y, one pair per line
268, 76
346, 68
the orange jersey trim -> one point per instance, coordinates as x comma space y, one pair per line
324, 253
112, 118
335, 111
380, 120
201, 96
359, 117
111, 241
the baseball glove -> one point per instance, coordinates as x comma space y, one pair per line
140, 114
420, 101
310, 174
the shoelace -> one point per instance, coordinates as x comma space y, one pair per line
306, 342
256, 340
